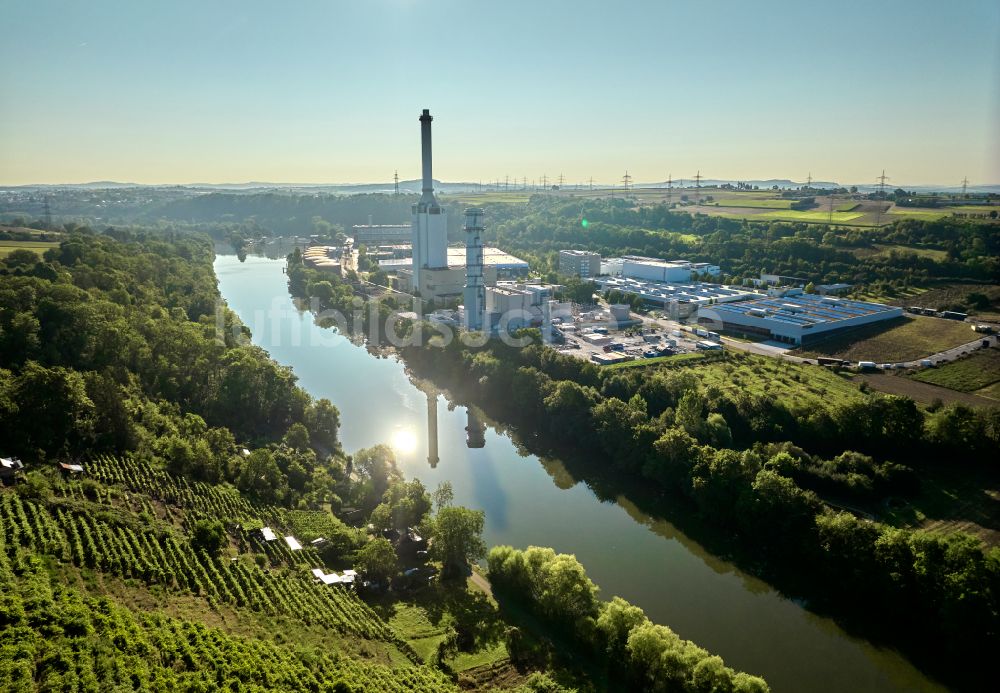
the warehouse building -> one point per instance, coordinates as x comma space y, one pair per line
579, 263
651, 269
795, 317
680, 299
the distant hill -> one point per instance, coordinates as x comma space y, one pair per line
414, 186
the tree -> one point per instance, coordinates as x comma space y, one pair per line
208, 536
20, 258
54, 413
323, 419
297, 437
616, 621
443, 495
376, 466
260, 476
377, 560
458, 539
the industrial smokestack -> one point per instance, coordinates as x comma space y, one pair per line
425, 141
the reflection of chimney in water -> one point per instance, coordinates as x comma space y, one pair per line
432, 429
475, 430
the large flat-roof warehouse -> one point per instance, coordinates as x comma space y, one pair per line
795, 317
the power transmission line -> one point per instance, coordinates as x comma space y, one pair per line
965, 186
395, 180
626, 179
670, 189
881, 183
560, 181
697, 185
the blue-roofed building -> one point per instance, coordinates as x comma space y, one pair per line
795, 317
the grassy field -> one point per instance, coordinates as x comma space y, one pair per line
754, 203
425, 619
801, 387
37, 247
903, 339
970, 374
925, 214
847, 207
990, 391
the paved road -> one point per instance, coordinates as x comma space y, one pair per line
956, 352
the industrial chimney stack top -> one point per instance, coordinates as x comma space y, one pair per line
427, 196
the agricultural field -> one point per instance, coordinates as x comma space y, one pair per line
969, 374
924, 393
486, 198
37, 247
106, 537
894, 341
924, 214
754, 203
819, 216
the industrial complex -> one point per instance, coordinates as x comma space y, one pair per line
496, 292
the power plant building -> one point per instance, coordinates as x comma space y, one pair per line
475, 289
435, 270
381, 234
429, 222
579, 263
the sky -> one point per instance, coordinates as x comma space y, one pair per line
316, 91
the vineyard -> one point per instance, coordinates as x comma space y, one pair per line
55, 638
132, 521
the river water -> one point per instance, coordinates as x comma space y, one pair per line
530, 501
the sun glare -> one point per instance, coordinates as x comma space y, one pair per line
404, 440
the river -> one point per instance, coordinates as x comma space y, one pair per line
530, 501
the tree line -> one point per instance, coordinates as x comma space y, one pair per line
730, 459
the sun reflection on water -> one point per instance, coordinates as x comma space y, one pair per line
403, 440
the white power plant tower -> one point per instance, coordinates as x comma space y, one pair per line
475, 291
428, 220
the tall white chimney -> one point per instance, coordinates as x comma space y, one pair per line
428, 221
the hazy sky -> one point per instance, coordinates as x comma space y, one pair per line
308, 91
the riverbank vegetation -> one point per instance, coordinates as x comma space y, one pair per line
772, 480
